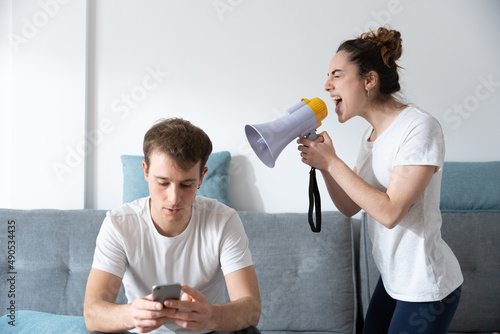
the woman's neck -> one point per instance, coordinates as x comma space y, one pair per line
381, 117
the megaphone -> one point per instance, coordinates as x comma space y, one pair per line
269, 139
301, 120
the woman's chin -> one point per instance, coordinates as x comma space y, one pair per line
341, 117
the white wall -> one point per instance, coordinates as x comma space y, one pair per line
225, 63
43, 103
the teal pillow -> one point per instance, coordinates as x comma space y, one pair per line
134, 184
28, 322
470, 186
215, 184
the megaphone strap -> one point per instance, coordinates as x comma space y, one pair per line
314, 200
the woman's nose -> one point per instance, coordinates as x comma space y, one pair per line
328, 85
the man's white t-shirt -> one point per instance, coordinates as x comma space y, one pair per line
415, 264
214, 244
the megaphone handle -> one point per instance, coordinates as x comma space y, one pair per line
314, 200
312, 136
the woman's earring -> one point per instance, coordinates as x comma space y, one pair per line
368, 93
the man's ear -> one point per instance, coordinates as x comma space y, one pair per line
205, 170
145, 168
371, 80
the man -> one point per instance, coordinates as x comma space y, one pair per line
173, 236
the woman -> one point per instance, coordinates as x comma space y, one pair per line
396, 182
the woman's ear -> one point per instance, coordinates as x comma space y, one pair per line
371, 80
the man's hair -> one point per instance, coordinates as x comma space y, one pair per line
183, 142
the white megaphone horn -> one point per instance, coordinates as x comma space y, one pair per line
301, 120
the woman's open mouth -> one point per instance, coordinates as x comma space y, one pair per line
338, 102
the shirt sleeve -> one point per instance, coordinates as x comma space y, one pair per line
422, 144
234, 251
109, 255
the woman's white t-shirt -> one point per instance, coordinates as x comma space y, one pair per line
214, 244
415, 264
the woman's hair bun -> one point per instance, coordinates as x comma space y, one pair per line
389, 41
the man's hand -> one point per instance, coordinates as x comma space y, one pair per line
192, 311
148, 315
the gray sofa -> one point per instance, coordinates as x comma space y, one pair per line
309, 282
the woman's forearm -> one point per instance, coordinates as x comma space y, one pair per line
339, 197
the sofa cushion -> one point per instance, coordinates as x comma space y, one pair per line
470, 186
29, 322
305, 279
215, 183
469, 235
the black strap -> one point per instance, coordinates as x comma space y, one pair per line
314, 200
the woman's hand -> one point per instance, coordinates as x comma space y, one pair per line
318, 153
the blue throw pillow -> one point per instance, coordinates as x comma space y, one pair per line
28, 322
215, 184
134, 184
470, 186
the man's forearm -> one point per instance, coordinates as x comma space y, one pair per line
107, 317
236, 315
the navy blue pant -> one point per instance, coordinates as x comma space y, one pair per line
386, 315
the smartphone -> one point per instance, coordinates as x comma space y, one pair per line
168, 291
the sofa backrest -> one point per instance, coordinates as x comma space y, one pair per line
470, 207
306, 279
52, 251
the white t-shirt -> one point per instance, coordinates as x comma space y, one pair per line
214, 244
416, 265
